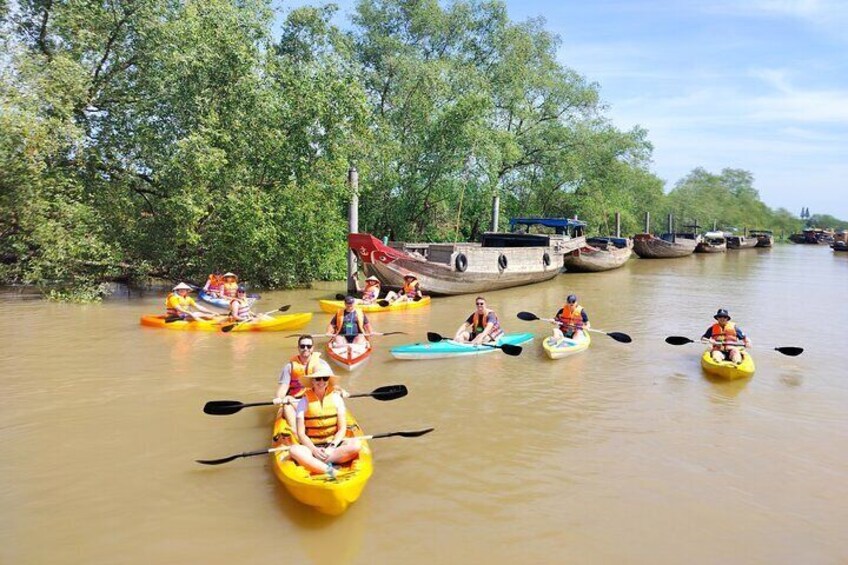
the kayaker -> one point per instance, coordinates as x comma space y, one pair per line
725, 337
290, 387
410, 292
240, 306
349, 325
229, 288
372, 290
321, 419
482, 326
179, 303
571, 319
213, 285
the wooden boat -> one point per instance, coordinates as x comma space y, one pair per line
668, 245
741, 242
813, 236
765, 238
839, 246
501, 260
599, 254
350, 356
325, 494
712, 242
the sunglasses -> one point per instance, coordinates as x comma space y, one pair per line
481, 304
321, 378
305, 346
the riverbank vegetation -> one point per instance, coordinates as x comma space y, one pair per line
160, 138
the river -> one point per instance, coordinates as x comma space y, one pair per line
625, 453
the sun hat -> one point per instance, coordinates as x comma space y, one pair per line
323, 370
722, 313
182, 286
410, 276
228, 274
372, 278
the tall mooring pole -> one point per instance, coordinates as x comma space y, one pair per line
353, 226
496, 211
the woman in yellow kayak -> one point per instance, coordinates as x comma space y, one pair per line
725, 337
180, 304
321, 419
571, 320
482, 326
240, 307
410, 292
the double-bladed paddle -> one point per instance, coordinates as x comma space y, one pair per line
508, 348
231, 327
333, 335
617, 336
680, 340
417, 433
227, 407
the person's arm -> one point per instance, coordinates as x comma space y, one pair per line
331, 327
284, 382
708, 336
341, 420
740, 336
585, 319
366, 324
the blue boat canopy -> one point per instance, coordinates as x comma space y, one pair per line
561, 225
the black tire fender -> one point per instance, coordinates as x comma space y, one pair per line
461, 262
546, 259
502, 262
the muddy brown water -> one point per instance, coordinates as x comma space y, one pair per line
625, 453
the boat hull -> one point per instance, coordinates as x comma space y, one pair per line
741, 243
275, 324
591, 259
223, 303
462, 268
565, 347
333, 306
648, 246
349, 357
450, 348
728, 369
322, 493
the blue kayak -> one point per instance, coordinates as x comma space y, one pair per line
221, 302
450, 348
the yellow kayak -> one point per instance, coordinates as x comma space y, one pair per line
275, 324
329, 496
728, 369
333, 306
557, 349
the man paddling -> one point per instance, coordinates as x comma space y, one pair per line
349, 325
180, 304
482, 326
571, 320
290, 387
725, 337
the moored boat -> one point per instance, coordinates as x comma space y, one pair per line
275, 324
565, 347
333, 306
712, 242
668, 245
451, 348
765, 238
599, 254
741, 242
350, 356
728, 369
500, 260
327, 495
813, 236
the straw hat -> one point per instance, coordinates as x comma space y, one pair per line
228, 274
323, 370
372, 278
182, 286
410, 276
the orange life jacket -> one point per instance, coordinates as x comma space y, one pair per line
214, 284
321, 420
299, 370
410, 289
572, 317
478, 323
360, 321
725, 334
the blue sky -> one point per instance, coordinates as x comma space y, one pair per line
760, 85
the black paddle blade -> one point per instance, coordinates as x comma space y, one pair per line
621, 337
284, 308
222, 407
527, 316
228, 329
433, 337
390, 392
509, 349
418, 433
677, 340
394, 333
790, 351
384, 303
171, 319
340, 297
